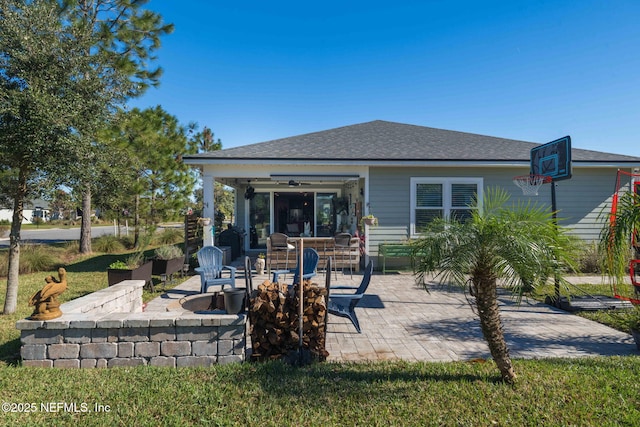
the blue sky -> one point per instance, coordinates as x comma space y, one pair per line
253, 71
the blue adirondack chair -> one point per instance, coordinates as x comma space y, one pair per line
310, 260
344, 305
211, 269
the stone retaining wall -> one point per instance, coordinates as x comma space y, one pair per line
108, 328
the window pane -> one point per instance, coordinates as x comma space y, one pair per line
463, 194
259, 220
460, 215
325, 214
429, 195
425, 216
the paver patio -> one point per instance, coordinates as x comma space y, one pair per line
400, 321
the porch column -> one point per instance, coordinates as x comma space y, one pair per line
208, 210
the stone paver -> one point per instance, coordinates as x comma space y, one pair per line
400, 320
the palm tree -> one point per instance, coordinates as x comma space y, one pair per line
519, 245
615, 238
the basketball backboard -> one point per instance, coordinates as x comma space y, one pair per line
552, 159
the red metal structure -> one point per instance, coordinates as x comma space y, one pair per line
634, 264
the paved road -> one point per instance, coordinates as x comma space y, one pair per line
52, 235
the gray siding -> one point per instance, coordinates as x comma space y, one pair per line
580, 200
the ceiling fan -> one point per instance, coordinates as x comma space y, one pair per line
294, 183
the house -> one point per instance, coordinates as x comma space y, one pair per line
35, 210
324, 182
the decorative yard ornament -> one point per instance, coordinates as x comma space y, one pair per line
45, 301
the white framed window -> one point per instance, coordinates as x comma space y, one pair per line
449, 198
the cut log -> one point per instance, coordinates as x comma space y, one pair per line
273, 318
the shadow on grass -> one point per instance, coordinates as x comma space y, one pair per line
100, 263
10, 352
341, 378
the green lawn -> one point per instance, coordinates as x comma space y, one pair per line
600, 391
586, 392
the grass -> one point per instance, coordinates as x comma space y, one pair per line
613, 318
592, 391
584, 392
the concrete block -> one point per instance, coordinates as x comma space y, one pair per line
162, 333
240, 347
138, 320
163, 319
169, 362
83, 323
37, 363
133, 334
189, 320
105, 350
147, 349
134, 361
42, 336
33, 351
204, 348
233, 332
88, 363
125, 349
101, 363
175, 348
232, 319
104, 335
211, 320
225, 347
223, 360
195, 361
195, 333
29, 325
66, 363
56, 324
109, 323
77, 336
63, 351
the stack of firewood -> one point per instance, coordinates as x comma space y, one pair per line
274, 321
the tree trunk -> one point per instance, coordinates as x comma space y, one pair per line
485, 288
85, 225
136, 223
11, 300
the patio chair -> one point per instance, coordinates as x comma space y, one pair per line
342, 247
310, 260
279, 242
343, 305
211, 269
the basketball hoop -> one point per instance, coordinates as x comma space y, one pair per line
530, 184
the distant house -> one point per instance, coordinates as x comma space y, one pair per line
328, 180
32, 211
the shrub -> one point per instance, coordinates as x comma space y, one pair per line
127, 241
168, 252
590, 261
34, 258
108, 244
169, 236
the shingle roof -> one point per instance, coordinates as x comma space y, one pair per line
381, 140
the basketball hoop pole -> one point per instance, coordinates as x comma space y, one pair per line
554, 218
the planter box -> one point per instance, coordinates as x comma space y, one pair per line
143, 272
167, 266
